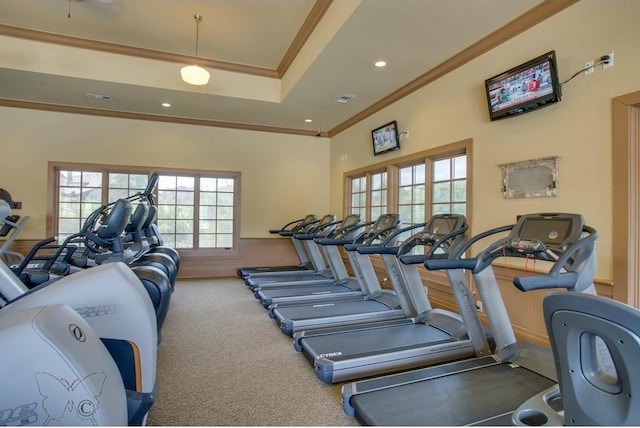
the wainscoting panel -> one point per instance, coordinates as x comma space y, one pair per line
252, 252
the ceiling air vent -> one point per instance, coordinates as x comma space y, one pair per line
99, 97
345, 98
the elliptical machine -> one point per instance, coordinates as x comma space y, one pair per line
117, 306
56, 371
96, 239
101, 241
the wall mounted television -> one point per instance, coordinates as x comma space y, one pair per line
386, 138
524, 88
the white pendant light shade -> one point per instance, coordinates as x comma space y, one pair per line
194, 75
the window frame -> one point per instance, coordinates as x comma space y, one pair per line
392, 166
53, 197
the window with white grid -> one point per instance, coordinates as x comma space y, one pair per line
196, 210
414, 186
449, 185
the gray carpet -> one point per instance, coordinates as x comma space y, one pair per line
223, 361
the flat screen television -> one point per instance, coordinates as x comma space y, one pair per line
524, 88
386, 138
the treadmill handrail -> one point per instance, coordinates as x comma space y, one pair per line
340, 241
298, 230
389, 240
387, 247
368, 239
455, 262
421, 258
447, 237
552, 280
316, 231
286, 226
295, 224
555, 278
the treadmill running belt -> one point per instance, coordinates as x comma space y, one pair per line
322, 310
304, 290
374, 341
476, 396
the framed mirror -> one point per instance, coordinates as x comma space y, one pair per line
536, 178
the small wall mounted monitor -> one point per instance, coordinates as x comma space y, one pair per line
524, 88
386, 138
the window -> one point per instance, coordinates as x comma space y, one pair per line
411, 195
370, 201
449, 186
79, 194
176, 210
415, 186
378, 195
122, 185
216, 212
196, 209
359, 196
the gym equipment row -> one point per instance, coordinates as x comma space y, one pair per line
85, 318
416, 365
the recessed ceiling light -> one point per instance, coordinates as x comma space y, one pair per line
308, 120
166, 105
380, 63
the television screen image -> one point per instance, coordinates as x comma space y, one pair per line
523, 88
386, 138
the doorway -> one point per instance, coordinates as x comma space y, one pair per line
626, 198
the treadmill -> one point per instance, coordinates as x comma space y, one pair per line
379, 304
335, 273
325, 226
287, 230
344, 286
432, 336
319, 266
487, 390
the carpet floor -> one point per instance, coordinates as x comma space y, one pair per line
224, 362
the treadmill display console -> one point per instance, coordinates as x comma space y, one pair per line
525, 246
385, 221
554, 231
350, 220
443, 225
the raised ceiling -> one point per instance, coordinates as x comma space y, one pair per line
273, 63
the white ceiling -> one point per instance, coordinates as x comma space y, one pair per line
264, 73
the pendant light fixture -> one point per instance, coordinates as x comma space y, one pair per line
193, 74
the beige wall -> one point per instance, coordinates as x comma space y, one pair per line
578, 129
284, 177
